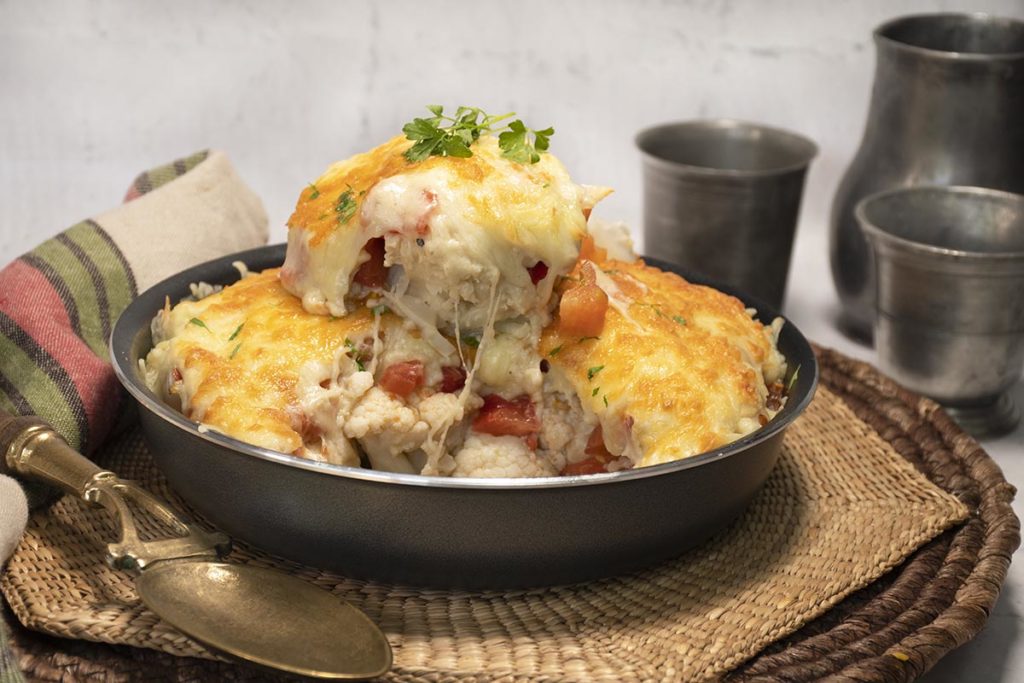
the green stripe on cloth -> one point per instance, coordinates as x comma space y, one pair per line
62, 260
8, 405
115, 279
161, 175
43, 383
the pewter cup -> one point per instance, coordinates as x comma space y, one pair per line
950, 287
947, 108
721, 197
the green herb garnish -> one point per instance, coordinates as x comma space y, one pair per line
555, 350
679, 319
380, 310
451, 136
345, 206
354, 354
591, 372
470, 340
314, 192
594, 392
605, 399
235, 333
235, 350
792, 380
199, 323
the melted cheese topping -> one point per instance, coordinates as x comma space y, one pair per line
232, 360
685, 370
454, 225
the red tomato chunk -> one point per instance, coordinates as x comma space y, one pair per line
372, 273
453, 378
598, 460
501, 417
538, 271
401, 379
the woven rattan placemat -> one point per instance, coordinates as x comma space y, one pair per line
842, 508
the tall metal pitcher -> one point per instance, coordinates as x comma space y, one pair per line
948, 109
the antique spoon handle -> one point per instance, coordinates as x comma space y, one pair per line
30, 449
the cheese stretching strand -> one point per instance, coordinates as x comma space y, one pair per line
453, 317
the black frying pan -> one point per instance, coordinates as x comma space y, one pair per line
439, 531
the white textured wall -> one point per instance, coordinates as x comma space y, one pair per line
92, 92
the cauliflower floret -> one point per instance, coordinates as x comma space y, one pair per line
387, 429
484, 455
439, 410
565, 429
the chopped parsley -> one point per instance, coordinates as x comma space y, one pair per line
198, 323
470, 340
346, 206
235, 350
679, 319
314, 192
792, 380
554, 351
451, 136
354, 354
235, 333
592, 372
594, 392
605, 399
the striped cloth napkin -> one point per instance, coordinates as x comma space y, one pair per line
59, 302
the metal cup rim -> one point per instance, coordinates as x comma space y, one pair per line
881, 38
810, 148
874, 232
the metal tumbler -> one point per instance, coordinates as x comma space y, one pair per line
950, 287
721, 197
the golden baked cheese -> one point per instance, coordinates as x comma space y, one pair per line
232, 359
678, 368
463, 230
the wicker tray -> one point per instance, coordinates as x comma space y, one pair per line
893, 630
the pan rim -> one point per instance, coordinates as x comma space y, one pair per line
124, 333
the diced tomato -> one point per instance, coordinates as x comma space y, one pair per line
538, 271
599, 456
590, 251
582, 310
401, 379
501, 417
532, 441
453, 378
588, 466
373, 273
586, 213
595, 444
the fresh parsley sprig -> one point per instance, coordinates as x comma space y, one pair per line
451, 136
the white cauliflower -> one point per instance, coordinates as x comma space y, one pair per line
440, 410
565, 429
484, 455
387, 429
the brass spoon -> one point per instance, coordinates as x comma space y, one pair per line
256, 615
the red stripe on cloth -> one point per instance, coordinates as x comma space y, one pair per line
29, 299
133, 193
